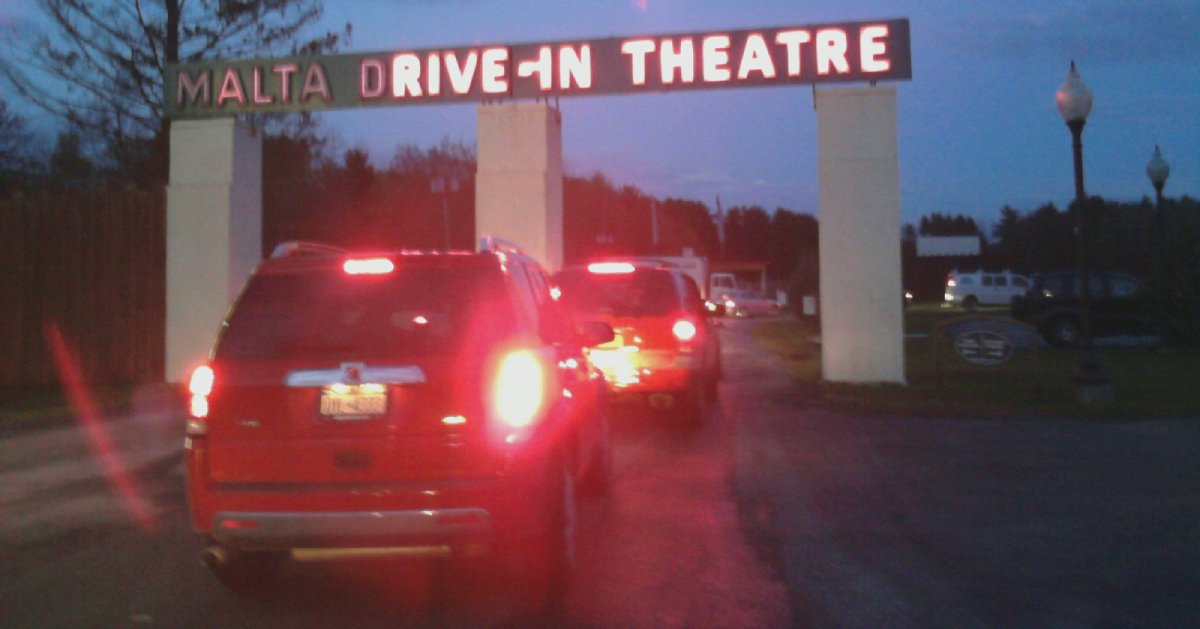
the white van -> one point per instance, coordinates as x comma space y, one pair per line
721, 284
983, 289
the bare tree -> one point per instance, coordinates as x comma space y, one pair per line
19, 159
14, 139
102, 65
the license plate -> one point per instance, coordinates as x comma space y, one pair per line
353, 402
617, 342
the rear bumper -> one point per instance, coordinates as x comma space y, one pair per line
280, 531
650, 371
444, 512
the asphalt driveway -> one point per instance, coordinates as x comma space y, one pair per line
904, 521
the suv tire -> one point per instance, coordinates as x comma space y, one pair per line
247, 573
694, 401
1063, 332
711, 379
970, 302
597, 480
544, 564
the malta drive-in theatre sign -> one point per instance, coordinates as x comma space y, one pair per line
794, 55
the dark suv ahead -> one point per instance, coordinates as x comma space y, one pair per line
359, 404
1120, 306
666, 351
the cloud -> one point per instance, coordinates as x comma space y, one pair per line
1103, 31
16, 12
640, 5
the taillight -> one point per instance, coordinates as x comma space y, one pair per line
200, 386
684, 330
519, 389
368, 266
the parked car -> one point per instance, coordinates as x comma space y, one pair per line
1121, 305
983, 289
748, 303
666, 352
397, 400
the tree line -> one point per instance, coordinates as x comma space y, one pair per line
314, 191
1121, 236
98, 73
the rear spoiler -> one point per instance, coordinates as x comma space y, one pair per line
498, 245
293, 248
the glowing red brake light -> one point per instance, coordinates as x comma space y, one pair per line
610, 268
200, 385
368, 266
202, 381
684, 330
520, 389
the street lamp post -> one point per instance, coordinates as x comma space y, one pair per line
1158, 170
1092, 385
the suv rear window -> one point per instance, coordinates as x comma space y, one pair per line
643, 293
327, 315
1068, 285
1124, 287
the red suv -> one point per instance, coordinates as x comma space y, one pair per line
666, 351
421, 402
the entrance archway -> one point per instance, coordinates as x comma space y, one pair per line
214, 206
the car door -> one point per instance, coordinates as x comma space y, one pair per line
1128, 306
695, 304
583, 393
1020, 285
1000, 289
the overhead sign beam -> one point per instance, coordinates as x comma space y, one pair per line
821, 53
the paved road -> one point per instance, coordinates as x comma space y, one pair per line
911, 522
777, 513
664, 550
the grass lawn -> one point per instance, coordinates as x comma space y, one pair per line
1148, 381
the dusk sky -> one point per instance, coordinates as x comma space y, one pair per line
978, 125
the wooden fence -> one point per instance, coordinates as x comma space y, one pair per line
91, 264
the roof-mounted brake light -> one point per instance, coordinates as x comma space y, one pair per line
368, 266
610, 268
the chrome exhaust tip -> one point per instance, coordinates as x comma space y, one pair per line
214, 557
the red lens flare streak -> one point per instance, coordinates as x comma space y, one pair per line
115, 471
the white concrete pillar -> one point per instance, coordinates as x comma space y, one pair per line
519, 181
862, 325
214, 232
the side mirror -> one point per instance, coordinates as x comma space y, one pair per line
595, 333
